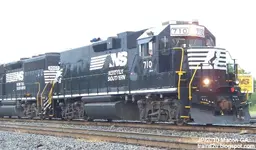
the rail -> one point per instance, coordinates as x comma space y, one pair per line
138, 138
180, 72
109, 136
248, 129
190, 83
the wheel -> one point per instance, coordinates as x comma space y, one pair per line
109, 120
180, 122
150, 122
42, 117
89, 119
69, 118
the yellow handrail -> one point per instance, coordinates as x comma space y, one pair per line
180, 73
50, 93
43, 93
191, 80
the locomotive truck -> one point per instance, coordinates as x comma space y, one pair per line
170, 73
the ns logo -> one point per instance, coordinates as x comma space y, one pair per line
118, 59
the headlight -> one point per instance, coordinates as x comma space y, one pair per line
206, 81
237, 82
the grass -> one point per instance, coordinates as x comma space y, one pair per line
253, 104
253, 110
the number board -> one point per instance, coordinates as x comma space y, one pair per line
53, 68
187, 30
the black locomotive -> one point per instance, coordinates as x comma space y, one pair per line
170, 73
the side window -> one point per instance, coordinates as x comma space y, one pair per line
146, 49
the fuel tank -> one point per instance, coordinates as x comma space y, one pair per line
8, 103
112, 110
10, 110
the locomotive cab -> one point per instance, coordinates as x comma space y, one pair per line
211, 80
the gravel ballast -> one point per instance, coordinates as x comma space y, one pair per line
143, 130
23, 141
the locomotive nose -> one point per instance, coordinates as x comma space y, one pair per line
220, 111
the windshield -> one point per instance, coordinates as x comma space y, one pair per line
178, 42
191, 41
195, 42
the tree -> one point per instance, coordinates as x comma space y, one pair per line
242, 71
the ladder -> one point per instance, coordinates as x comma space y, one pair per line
46, 99
184, 86
47, 108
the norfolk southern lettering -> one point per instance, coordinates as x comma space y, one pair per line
118, 74
118, 60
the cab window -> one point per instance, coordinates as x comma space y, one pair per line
209, 41
146, 49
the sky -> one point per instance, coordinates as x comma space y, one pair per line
32, 27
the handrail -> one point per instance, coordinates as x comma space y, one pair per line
247, 95
191, 80
180, 73
136, 55
43, 93
37, 95
50, 93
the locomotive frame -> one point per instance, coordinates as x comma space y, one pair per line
116, 79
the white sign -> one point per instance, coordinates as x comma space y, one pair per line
216, 56
53, 68
147, 64
14, 76
187, 30
118, 74
119, 59
20, 86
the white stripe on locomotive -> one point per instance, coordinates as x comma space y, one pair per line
198, 56
97, 62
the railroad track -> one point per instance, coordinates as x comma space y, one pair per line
108, 136
194, 128
113, 136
